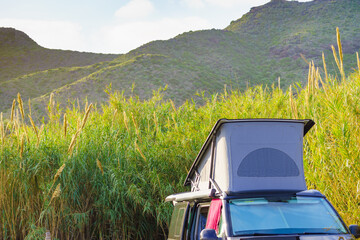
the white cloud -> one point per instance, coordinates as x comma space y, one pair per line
194, 3
122, 38
49, 34
211, 4
238, 3
135, 9
117, 38
225, 3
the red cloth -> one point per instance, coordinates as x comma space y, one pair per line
214, 214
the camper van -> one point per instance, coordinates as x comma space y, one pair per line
247, 182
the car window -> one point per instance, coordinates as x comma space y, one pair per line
178, 220
219, 233
199, 221
295, 215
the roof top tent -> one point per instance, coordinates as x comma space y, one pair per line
243, 155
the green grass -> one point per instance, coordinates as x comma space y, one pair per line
103, 172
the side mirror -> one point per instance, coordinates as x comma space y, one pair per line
355, 230
208, 234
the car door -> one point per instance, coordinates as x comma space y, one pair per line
179, 221
199, 220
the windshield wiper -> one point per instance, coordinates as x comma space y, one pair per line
259, 234
318, 233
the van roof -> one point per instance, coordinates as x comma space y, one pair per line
273, 126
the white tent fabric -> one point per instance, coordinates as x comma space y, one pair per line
252, 155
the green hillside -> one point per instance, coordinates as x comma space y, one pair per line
33, 70
264, 45
20, 55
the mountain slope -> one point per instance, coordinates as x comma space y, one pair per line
289, 27
20, 55
259, 48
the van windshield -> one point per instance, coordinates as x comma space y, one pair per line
292, 215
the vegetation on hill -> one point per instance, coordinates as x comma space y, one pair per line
20, 55
34, 71
264, 45
103, 172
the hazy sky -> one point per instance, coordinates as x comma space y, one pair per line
116, 26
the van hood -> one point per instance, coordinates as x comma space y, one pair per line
287, 237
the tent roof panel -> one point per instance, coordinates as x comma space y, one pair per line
308, 124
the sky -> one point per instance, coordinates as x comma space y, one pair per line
116, 26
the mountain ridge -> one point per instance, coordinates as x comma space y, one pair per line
10, 37
259, 48
18, 49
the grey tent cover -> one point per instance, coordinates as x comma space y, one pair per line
252, 155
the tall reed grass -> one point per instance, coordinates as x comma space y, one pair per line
103, 172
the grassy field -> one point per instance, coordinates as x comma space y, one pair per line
103, 172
